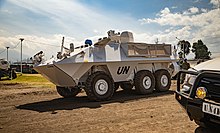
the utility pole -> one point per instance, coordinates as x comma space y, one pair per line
157, 41
62, 46
7, 53
22, 39
218, 4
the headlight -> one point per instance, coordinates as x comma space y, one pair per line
186, 88
201, 92
191, 79
188, 82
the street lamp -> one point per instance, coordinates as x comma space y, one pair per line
22, 39
7, 52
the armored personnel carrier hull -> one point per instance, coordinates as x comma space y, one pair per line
114, 61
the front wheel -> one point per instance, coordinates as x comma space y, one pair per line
99, 86
68, 91
144, 82
202, 124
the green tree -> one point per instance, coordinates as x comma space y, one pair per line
184, 47
200, 50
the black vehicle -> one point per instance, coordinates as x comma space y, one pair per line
26, 68
198, 92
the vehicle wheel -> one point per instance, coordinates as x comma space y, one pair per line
1, 74
202, 124
144, 82
126, 86
14, 75
68, 91
99, 86
163, 80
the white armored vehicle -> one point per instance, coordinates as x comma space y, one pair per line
100, 68
6, 71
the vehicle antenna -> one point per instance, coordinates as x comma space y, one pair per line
62, 45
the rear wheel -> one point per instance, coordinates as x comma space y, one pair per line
163, 80
144, 82
68, 91
99, 86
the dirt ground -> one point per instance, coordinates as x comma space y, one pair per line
24, 108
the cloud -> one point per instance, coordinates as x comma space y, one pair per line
183, 19
46, 22
216, 3
190, 25
165, 12
204, 10
196, 1
193, 10
73, 18
33, 44
174, 7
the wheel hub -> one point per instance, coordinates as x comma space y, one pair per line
164, 80
101, 87
147, 82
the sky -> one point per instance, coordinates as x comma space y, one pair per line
43, 23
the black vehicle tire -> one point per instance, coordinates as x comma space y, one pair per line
1, 74
163, 80
144, 82
202, 124
67, 92
99, 86
14, 75
126, 86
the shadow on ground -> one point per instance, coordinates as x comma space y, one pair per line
207, 130
83, 102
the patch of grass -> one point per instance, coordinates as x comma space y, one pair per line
30, 78
34, 80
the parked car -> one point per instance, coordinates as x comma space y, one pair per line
199, 93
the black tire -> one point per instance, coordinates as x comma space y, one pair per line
67, 92
14, 75
126, 86
202, 124
0, 77
144, 82
163, 80
94, 86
